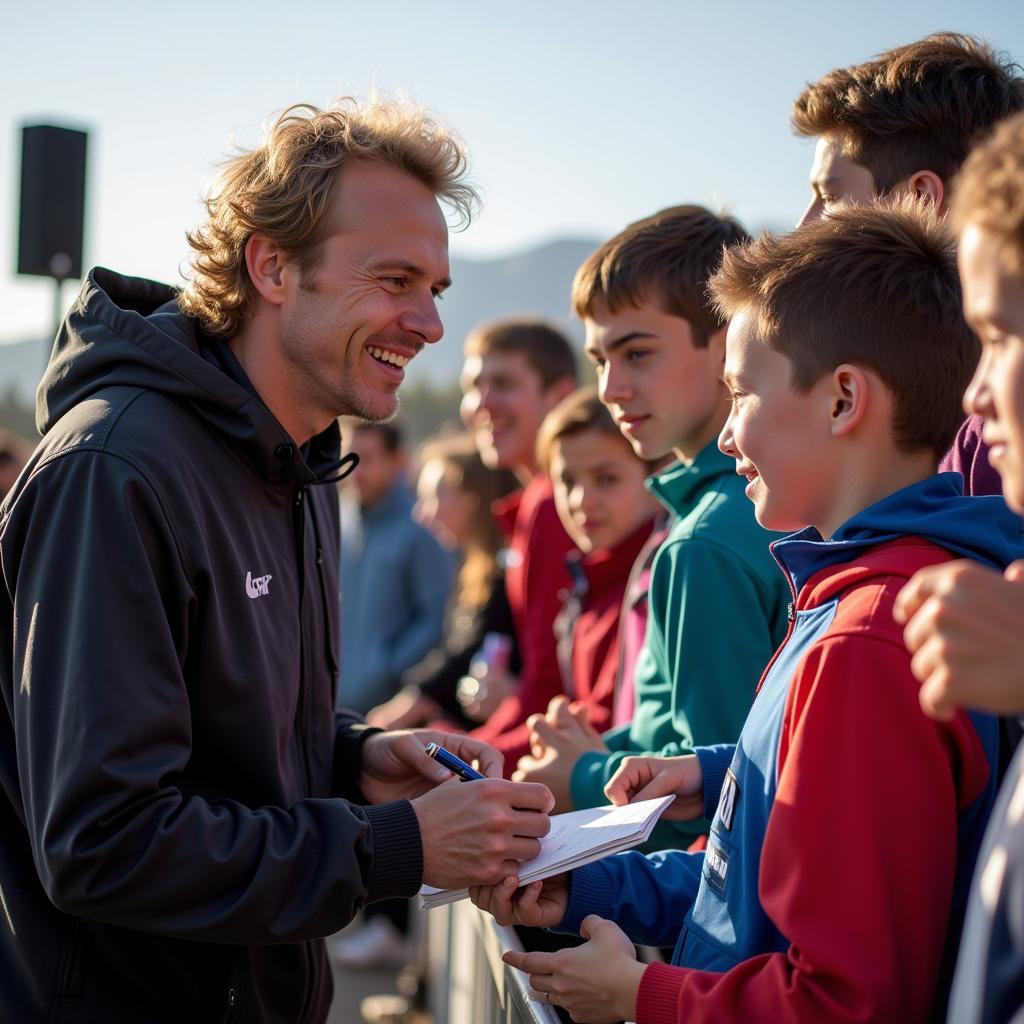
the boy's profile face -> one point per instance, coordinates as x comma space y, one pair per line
664, 393
503, 404
599, 489
778, 436
994, 307
835, 178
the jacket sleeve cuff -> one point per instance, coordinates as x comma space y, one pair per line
350, 733
714, 763
657, 999
589, 774
589, 893
397, 867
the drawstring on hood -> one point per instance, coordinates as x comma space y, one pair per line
341, 469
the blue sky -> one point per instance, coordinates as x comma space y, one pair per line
581, 116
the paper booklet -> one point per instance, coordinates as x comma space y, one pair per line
575, 839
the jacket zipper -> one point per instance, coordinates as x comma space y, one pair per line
300, 708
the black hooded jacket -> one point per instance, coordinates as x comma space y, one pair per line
173, 845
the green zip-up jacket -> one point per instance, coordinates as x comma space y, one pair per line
716, 612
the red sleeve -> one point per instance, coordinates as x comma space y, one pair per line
859, 855
535, 578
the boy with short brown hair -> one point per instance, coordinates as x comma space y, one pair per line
902, 124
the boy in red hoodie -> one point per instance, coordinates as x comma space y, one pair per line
846, 823
514, 372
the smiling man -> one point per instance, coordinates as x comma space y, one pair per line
184, 813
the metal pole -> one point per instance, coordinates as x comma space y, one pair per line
58, 307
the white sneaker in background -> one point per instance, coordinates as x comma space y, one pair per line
378, 943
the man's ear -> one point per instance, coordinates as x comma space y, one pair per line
848, 398
266, 265
927, 185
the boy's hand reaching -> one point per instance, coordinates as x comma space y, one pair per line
537, 905
644, 778
964, 626
596, 982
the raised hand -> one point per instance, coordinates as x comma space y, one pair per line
644, 778
964, 626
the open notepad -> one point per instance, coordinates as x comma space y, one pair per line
575, 839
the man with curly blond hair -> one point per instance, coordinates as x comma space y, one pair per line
184, 814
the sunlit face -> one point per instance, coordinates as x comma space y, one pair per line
994, 306
599, 489
377, 469
664, 392
835, 178
349, 327
504, 402
443, 508
778, 437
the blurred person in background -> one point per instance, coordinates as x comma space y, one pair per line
395, 576
14, 453
514, 372
454, 494
455, 491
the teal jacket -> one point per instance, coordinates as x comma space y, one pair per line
717, 611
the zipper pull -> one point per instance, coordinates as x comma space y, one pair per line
790, 612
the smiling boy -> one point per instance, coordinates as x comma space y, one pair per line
846, 823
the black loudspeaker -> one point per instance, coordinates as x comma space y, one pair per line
52, 201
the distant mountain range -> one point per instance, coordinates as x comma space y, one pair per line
535, 282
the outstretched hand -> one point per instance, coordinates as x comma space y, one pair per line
537, 905
963, 625
644, 778
597, 982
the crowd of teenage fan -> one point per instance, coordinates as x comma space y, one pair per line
760, 549
634, 583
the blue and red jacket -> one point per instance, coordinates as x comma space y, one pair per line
846, 823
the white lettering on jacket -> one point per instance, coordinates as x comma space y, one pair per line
257, 586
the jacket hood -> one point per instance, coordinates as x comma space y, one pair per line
983, 529
129, 332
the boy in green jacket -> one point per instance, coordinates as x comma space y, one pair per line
717, 601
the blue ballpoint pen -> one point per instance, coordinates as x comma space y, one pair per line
454, 764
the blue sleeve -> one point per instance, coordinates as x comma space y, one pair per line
714, 763
648, 897
429, 581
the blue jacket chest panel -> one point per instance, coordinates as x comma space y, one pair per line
727, 923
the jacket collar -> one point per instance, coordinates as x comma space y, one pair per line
934, 510
677, 487
610, 567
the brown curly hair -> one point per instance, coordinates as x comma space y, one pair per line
283, 189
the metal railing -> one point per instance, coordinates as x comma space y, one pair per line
469, 983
